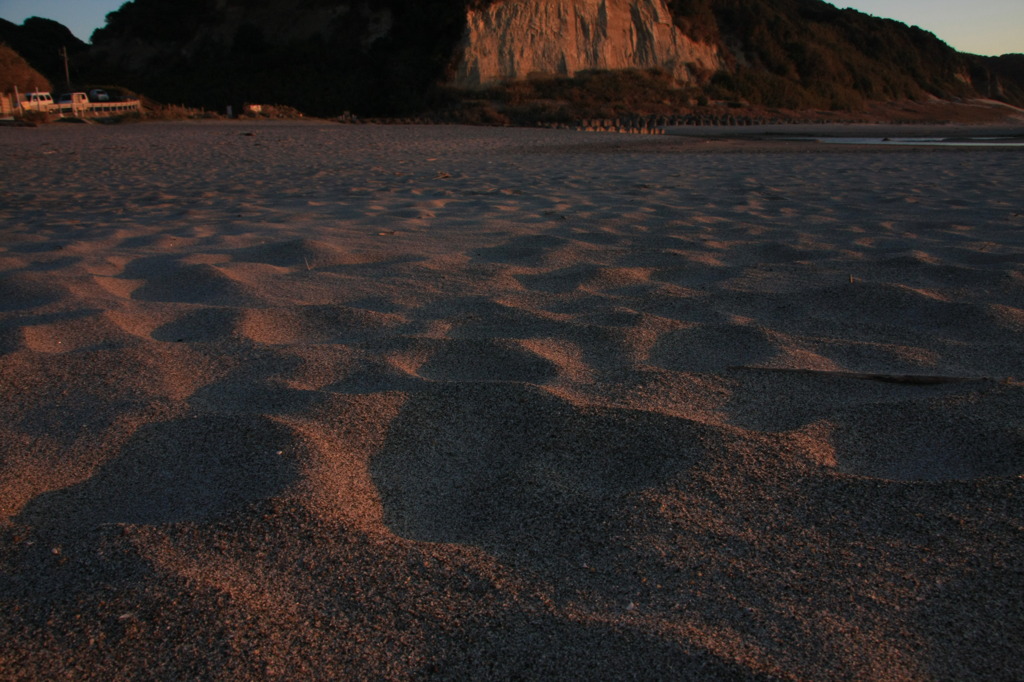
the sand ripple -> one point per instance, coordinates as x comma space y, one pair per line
395, 402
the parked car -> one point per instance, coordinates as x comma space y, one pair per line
97, 95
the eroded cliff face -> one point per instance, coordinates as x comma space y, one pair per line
512, 39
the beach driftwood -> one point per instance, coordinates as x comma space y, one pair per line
914, 379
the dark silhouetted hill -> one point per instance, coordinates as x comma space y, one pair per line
39, 42
402, 57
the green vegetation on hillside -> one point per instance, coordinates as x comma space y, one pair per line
590, 94
809, 54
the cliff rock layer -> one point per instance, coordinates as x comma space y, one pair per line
512, 39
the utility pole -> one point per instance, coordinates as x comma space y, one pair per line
67, 72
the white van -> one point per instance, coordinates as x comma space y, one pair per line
38, 101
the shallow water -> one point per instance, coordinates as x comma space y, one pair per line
924, 141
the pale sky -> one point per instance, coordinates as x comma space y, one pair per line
989, 27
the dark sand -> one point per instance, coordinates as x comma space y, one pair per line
328, 402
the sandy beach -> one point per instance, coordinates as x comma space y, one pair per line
302, 400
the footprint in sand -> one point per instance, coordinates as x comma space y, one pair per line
487, 360
23, 290
929, 442
184, 470
500, 465
169, 280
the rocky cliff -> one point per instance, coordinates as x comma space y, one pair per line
513, 39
